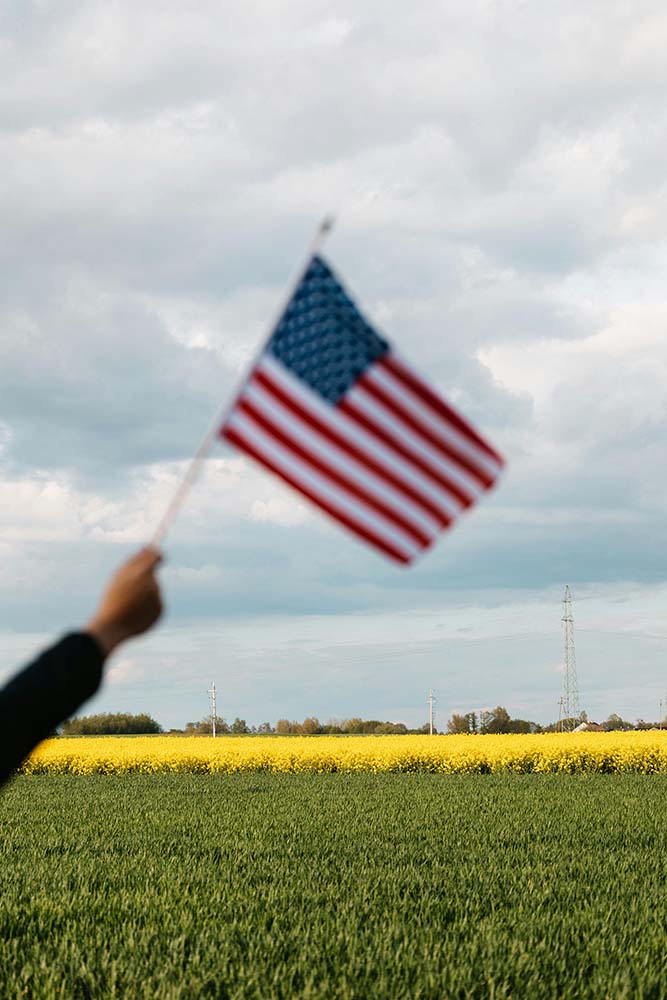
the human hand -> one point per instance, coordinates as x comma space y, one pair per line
131, 602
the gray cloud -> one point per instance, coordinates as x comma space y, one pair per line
94, 383
499, 176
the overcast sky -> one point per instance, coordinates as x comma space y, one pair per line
497, 170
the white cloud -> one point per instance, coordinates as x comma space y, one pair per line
474, 650
123, 671
498, 171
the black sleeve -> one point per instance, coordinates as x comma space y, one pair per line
45, 693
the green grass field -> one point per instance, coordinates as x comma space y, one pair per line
331, 886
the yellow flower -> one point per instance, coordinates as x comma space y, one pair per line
644, 751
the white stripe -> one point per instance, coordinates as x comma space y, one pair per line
496, 463
358, 436
442, 429
390, 422
332, 455
319, 485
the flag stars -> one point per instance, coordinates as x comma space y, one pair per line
323, 338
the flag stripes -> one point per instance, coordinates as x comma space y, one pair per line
363, 523
368, 493
351, 447
320, 450
408, 411
402, 371
394, 473
338, 419
381, 424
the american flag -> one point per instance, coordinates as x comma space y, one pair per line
336, 413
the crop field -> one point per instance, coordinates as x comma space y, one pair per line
268, 885
636, 752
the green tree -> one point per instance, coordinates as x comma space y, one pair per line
111, 724
615, 722
522, 726
459, 724
353, 725
204, 727
311, 726
497, 720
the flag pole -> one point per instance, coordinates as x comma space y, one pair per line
196, 462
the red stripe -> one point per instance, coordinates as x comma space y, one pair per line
339, 478
451, 451
356, 413
441, 407
443, 518
366, 533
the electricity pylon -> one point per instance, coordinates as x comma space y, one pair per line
214, 707
570, 696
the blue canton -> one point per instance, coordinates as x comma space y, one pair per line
322, 337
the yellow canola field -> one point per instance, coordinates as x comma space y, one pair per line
570, 753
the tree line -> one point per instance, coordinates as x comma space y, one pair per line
311, 726
122, 723
498, 720
111, 724
494, 720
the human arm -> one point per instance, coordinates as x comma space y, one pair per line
131, 603
55, 684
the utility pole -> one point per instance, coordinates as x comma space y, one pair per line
570, 697
431, 699
214, 710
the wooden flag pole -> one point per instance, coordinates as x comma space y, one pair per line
200, 455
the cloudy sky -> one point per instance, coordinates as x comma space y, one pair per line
497, 169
